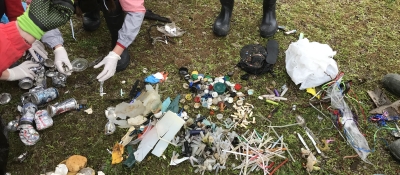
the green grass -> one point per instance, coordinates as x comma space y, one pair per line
364, 34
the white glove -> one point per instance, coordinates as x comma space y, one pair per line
22, 71
110, 65
61, 57
38, 47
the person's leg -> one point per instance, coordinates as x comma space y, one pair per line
2, 8
91, 17
222, 23
4, 148
268, 26
115, 17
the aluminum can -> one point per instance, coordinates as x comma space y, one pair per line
58, 108
44, 96
43, 120
29, 108
25, 83
59, 80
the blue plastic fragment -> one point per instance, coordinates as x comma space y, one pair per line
165, 104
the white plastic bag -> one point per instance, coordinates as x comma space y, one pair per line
310, 63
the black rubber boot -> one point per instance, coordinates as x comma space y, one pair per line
391, 82
222, 23
91, 14
268, 26
91, 20
114, 20
394, 148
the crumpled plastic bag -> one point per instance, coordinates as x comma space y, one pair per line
351, 131
310, 63
171, 30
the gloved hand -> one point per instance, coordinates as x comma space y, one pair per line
110, 65
61, 57
44, 15
38, 47
22, 71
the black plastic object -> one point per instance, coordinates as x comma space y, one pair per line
257, 60
188, 149
245, 77
196, 132
235, 142
135, 90
183, 71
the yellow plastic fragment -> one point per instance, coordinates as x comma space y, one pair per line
117, 152
313, 92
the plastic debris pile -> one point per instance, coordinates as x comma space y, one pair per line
157, 124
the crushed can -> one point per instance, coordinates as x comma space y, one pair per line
43, 120
59, 80
58, 108
12, 126
28, 134
28, 108
25, 83
43, 96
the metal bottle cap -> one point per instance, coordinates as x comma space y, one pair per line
5, 98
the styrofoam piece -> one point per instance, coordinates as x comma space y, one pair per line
61, 169
166, 128
136, 121
170, 124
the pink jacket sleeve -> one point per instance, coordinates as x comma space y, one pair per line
133, 6
12, 45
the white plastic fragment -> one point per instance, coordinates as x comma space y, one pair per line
175, 160
61, 169
171, 30
100, 173
162, 133
89, 111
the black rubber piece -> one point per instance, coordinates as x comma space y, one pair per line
272, 50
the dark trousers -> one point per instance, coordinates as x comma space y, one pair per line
4, 148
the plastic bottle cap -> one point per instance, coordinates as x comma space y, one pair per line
220, 116
219, 88
214, 94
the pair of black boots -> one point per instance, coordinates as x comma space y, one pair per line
114, 18
268, 25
